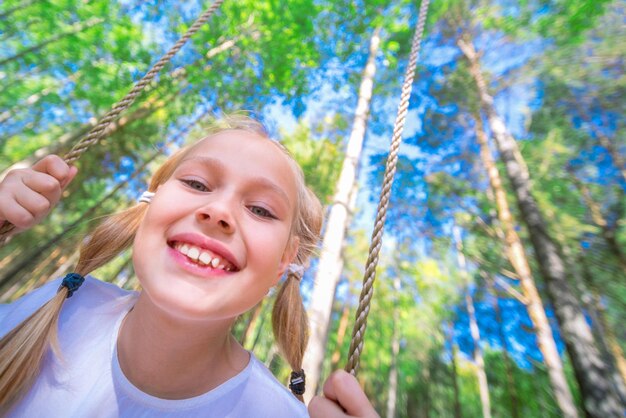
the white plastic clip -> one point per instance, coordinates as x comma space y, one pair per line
146, 197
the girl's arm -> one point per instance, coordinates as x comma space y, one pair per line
343, 398
28, 194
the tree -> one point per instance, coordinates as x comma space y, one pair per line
331, 263
588, 363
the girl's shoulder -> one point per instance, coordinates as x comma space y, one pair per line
94, 295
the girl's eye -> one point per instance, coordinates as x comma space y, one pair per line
196, 185
262, 212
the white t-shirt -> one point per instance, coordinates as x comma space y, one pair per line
88, 381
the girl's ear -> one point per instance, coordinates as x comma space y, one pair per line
288, 256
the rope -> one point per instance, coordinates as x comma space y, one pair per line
358, 332
98, 131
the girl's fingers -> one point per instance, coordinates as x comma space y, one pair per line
54, 166
320, 407
14, 213
33, 202
70, 177
344, 389
27, 195
44, 184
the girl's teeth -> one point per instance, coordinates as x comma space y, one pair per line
204, 258
193, 253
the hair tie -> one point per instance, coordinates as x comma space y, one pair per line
146, 197
297, 382
296, 270
72, 282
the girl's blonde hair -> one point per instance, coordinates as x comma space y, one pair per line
22, 349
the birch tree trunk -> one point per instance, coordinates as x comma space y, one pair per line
483, 385
331, 260
589, 367
517, 257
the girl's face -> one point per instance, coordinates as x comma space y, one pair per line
216, 236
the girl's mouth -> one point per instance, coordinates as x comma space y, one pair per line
202, 257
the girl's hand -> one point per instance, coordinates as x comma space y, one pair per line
27, 195
343, 398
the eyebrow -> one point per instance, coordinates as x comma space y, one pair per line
260, 181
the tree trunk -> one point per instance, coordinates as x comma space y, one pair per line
604, 333
589, 367
392, 389
76, 28
517, 257
608, 233
479, 361
508, 367
331, 260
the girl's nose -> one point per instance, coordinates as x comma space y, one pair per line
217, 215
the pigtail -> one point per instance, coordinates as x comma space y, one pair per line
23, 348
290, 326
289, 318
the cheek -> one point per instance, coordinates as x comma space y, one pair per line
145, 244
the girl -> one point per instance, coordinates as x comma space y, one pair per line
222, 221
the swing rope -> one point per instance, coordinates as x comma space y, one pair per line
358, 332
98, 131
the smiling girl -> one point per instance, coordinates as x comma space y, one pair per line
222, 221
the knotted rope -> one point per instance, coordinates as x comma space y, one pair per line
358, 332
98, 131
